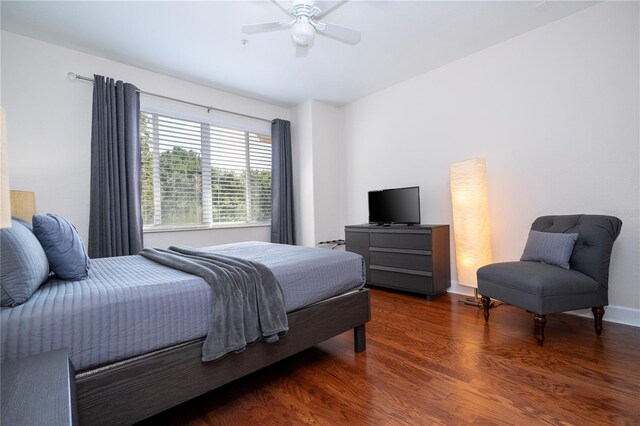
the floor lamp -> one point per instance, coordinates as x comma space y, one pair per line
470, 221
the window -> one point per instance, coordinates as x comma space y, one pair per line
200, 175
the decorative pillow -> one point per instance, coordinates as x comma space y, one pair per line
62, 244
549, 247
23, 264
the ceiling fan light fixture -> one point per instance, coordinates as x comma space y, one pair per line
303, 33
305, 23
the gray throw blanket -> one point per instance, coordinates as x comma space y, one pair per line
248, 304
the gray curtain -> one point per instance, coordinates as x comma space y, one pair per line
115, 217
282, 223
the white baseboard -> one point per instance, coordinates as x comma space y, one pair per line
612, 313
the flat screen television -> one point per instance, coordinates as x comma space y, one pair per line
397, 205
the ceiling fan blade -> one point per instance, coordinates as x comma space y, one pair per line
327, 6
337, 32
268, 26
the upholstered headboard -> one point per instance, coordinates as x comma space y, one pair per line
592, 252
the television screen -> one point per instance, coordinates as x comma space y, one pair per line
398, 205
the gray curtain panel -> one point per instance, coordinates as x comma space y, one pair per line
115, 217
282, 223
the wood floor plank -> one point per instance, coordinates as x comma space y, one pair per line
438, 362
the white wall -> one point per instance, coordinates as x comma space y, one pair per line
49, 127
302, 153
554, 112
328, 171
318, 170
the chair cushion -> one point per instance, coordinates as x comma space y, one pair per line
549, 247
62, 244
23, 267
539, 287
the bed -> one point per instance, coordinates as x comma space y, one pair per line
135, 328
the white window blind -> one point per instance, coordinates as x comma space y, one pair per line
196, 174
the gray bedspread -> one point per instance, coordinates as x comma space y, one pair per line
126, 306
307, 275
248, 304
131, 305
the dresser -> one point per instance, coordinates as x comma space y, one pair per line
412, 258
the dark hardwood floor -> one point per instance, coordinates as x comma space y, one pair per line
438, 363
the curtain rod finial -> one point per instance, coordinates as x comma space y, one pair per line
72, 75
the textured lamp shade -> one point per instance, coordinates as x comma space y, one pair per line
5, 206
470, 218
23, 204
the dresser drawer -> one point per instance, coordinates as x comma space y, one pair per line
357, 242
401, 281
418, 262
401, 240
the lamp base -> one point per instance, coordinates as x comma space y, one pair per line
473, 301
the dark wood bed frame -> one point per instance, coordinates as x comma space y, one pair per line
126, 392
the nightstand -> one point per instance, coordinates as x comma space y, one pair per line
38, 390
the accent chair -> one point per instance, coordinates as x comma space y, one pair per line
543, 288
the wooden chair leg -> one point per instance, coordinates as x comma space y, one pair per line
598, 313
486, 304
539, 321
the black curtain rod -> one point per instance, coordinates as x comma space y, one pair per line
74, 76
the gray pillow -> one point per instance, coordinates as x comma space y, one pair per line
549, 247
62, 244
23, 264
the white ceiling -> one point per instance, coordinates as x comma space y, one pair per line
200, 41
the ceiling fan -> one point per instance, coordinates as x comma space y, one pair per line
305, 22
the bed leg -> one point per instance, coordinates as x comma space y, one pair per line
359, 339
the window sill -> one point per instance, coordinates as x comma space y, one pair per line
204, 228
